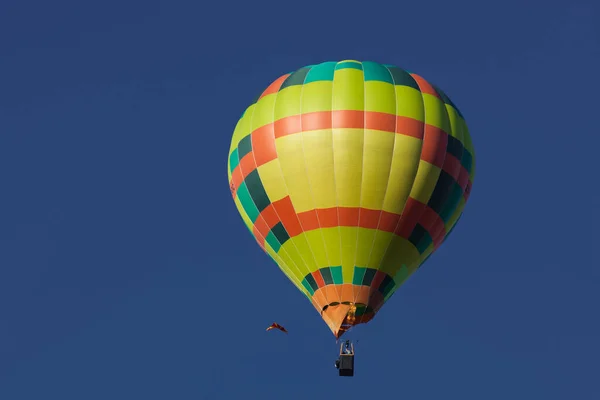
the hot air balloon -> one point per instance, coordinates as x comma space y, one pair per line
349, 175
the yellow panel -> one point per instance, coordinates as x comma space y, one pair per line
401, 276
298, 249
348, 89
318, 153
399, 252
405, 161
263, 115
287, 102
317, 247
425, 181
243, 213
377, 162
435, 112
379, 247
242, 128
380, 97
290, 253
455, 123
347, 155
295, 267
409, 103
364, 244
333, 243
272, 180
291, 159
348, 236
316, 96
285, 268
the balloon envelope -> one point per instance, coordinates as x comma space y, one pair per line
349, 175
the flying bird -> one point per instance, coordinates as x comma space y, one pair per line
275, 325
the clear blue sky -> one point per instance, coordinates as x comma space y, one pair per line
117, 226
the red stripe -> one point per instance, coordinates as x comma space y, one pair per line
260, 229
388, 221
270, 216
318, 278
433, 224
274, 87
263, 144
350, 119
287, 215
247, 164
425, 86
410, 217
368, 218
377, 279
463, 178
452, 166
236, 180
435, 142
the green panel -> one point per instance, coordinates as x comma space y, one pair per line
280, 233
359, 273
257, 190
321, 72
349, 64
247, 203
386, 280
296, 78
420, 238
402, 78
390, 285
311, 281
273, 242
376, 72
245, 146
424, 242
336, 273
369, 275
451, 202
234, 159
326, 274
308, 287
467, 160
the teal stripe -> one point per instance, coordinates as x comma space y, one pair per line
403, 78
247, 203
359, 274
336, 273
349, 64
451, 202
308, 287
234, 160
297, 78
467, 160
376, 72
321, 72
424, 242
273, 242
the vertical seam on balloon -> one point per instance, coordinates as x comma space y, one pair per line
310, 189
389, 176
362, 175
448, 134
393, 290
259, 216
337, 202
288, 194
